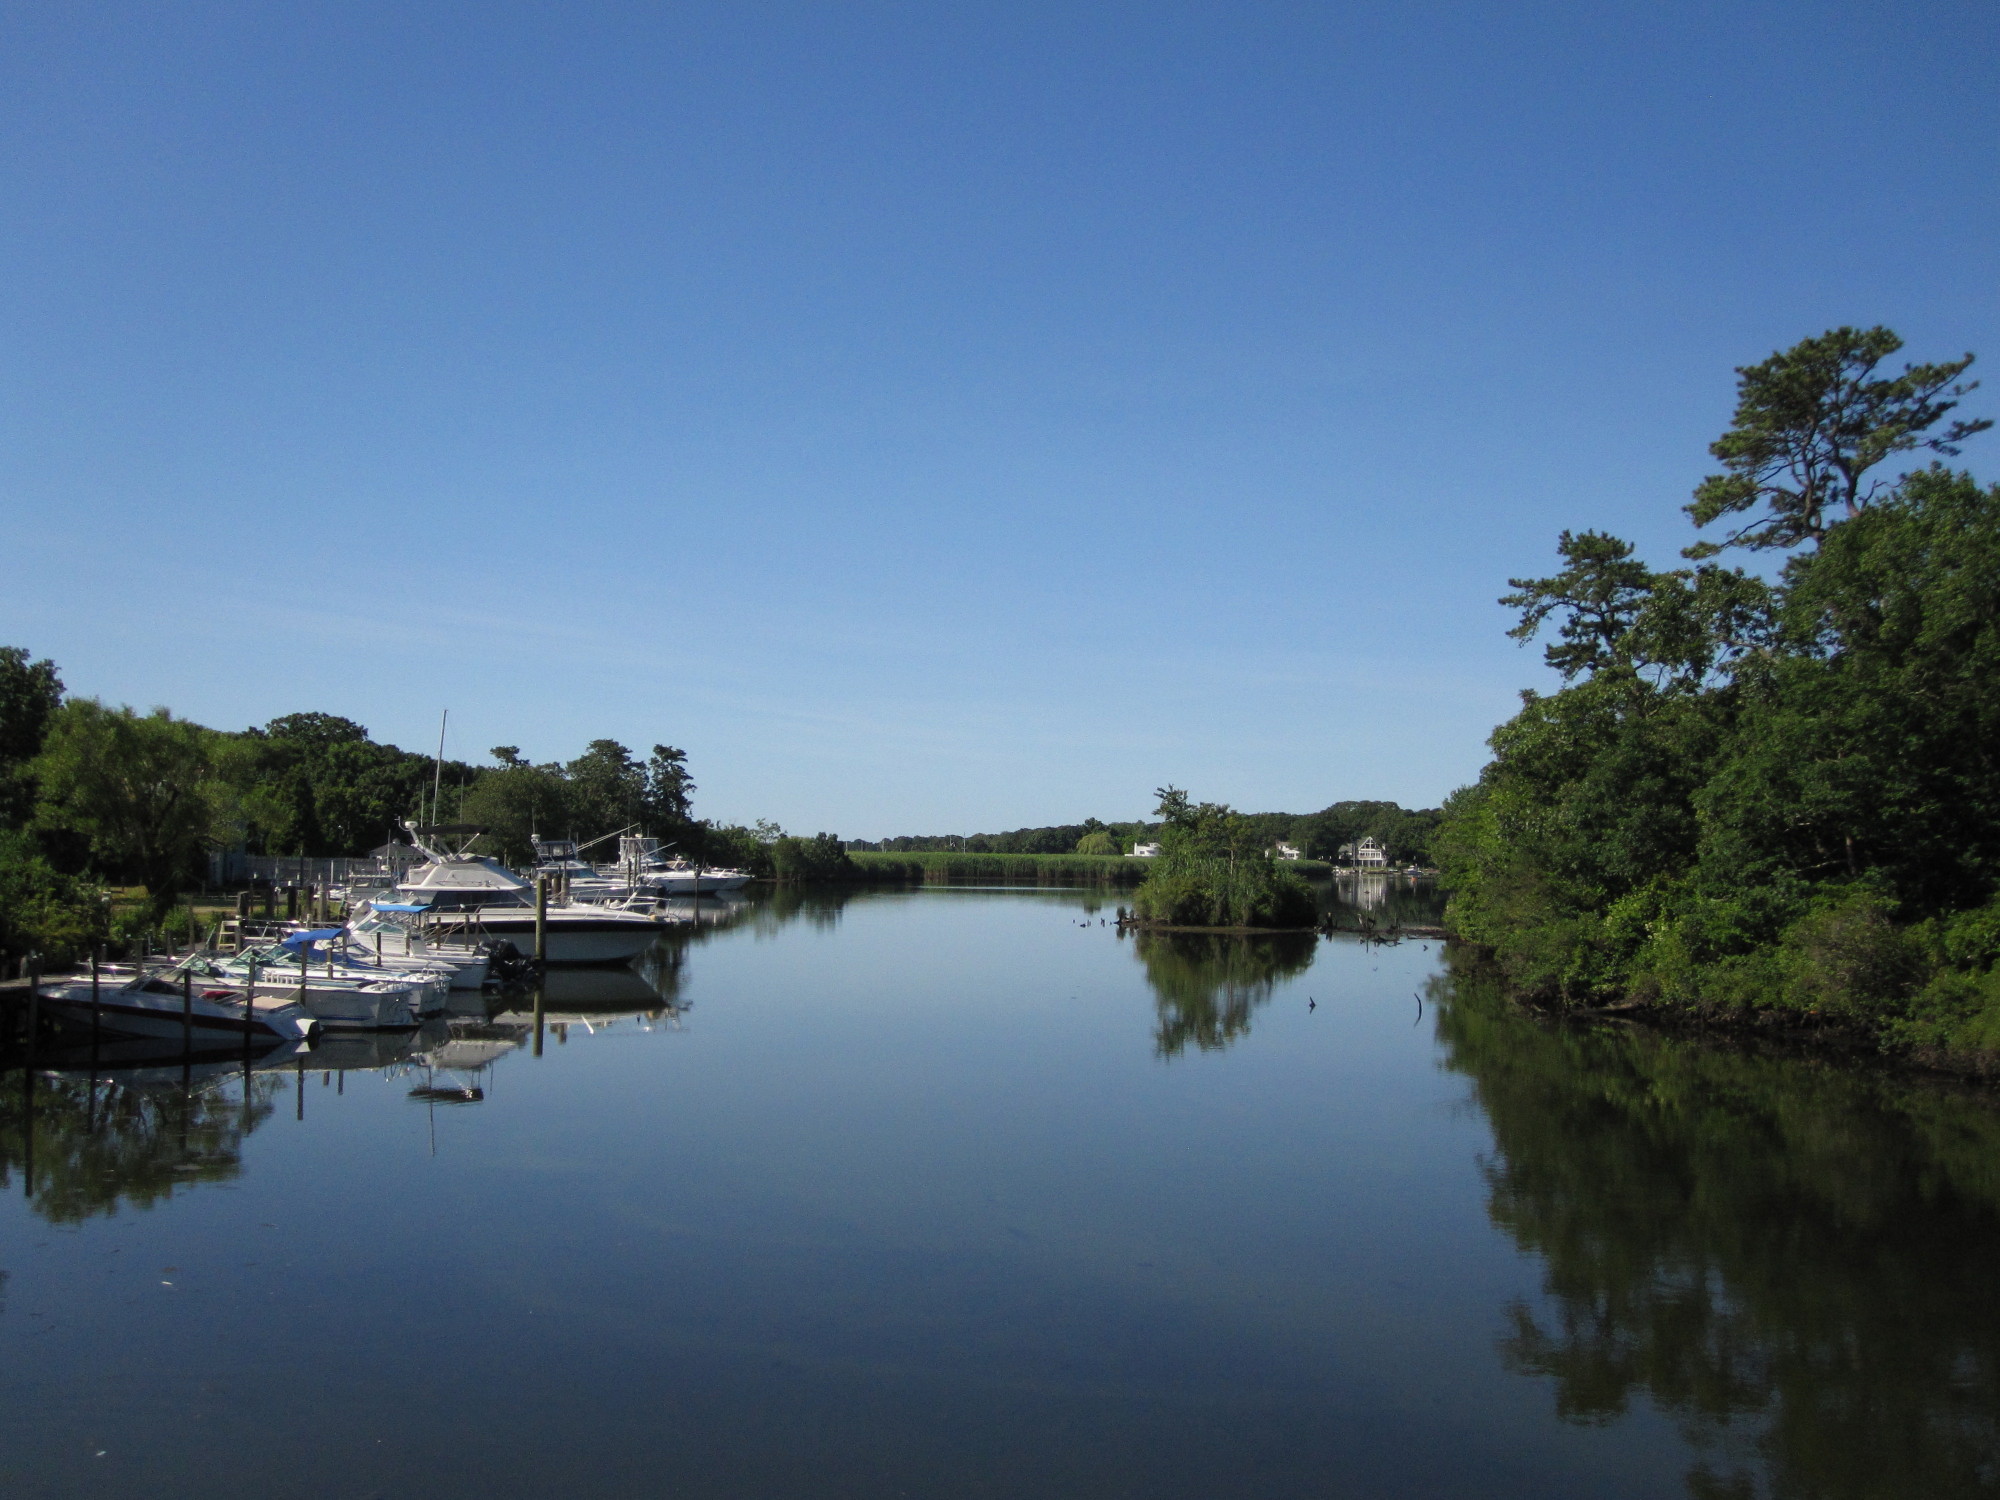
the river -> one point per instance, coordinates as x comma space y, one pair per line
956, 1192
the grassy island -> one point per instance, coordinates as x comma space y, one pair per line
1767, 798
1213, 871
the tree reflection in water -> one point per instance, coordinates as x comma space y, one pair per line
99, 1143
1206, 985
1794, 1258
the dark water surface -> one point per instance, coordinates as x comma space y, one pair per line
942, 1193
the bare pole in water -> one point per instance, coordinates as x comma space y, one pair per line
28, 1076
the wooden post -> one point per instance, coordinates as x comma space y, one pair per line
250, 1005
187, 1009
34, 1004
96, 1019
28, 1077
541, 921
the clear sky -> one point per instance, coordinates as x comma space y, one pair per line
933, 417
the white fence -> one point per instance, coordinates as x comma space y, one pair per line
231, 868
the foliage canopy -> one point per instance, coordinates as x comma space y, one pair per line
1764, 796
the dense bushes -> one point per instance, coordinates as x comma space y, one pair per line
820, 857
42, 910
1759, 797
1213, 871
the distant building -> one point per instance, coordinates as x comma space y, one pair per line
1287, 851
1145, 851
1366, 855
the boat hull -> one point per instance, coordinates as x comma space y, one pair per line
121, 1012
573, 937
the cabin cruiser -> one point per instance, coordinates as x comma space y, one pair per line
654, 871
468, 898
643, 871
174, 1004
389, 935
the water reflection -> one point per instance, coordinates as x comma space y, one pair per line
1390, 899
85, 1143
1792, 1258
1207, 985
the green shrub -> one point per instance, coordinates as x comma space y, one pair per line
820, 857
1194, 885
42, 910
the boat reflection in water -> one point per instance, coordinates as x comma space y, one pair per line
133, 1124
133, 1121
596, 999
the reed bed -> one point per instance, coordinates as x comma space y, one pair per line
999, 869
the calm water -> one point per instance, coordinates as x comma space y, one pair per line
946, 1193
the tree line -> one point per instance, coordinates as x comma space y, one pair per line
1772, 795
1405, 832
93, 795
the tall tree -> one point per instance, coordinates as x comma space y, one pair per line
607, 789
140, 787
1599, 597
30, 693
1811, 421
669, 789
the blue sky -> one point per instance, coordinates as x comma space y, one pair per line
932, 417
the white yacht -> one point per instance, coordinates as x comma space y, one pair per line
643, 871
653, 870
468, 897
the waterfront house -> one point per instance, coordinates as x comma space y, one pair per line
1366, 855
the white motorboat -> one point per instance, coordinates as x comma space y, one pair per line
469, 898
651, 869
173, 1004
350, 1001
643, 871
386, 935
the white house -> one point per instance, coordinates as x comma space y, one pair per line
1145, 851
1286, 851
1366, 855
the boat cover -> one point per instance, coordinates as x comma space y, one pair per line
319, 935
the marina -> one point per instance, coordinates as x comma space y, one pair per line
964, 1190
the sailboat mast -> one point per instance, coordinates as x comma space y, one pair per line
437, 775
